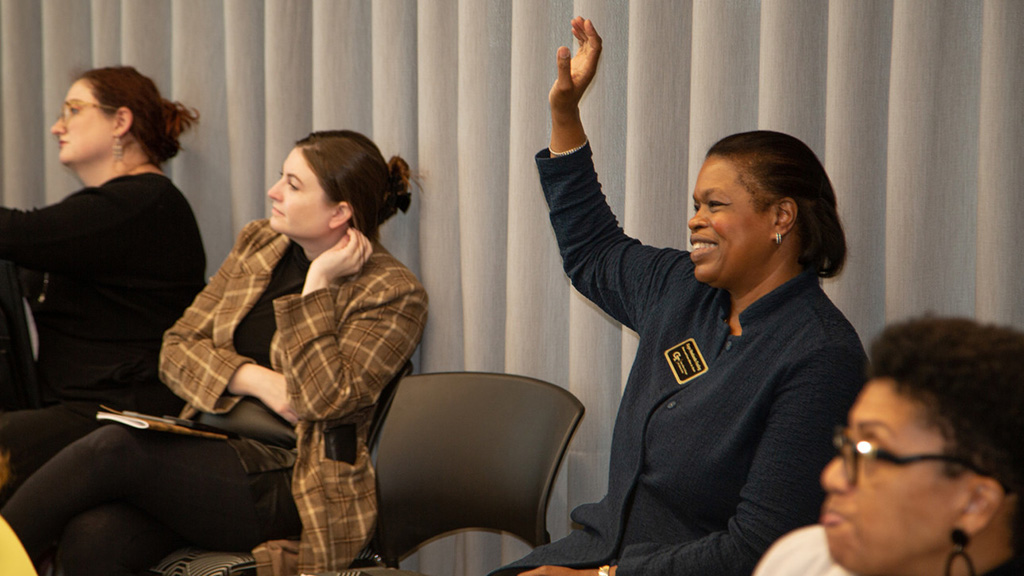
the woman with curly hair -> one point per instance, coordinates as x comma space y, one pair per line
930, 466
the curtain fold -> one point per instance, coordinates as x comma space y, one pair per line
195, 33
65, 23
856, 127
792, 70
395, 110
537, 294
438, 58
22, 119
1000, 266
104, 21
723, 77
249, 170
914, 107
288, 78
931, 193
482, 152
342, 65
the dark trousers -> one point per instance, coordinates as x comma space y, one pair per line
120, 499
32, 437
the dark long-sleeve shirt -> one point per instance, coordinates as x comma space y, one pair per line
107, 271
719, 439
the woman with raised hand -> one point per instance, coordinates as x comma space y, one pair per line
106, 270
928, 471
743, 367
308, 314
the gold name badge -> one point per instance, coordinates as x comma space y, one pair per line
686, 361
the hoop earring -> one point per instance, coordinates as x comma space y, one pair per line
778, 239
118, 149
960, 540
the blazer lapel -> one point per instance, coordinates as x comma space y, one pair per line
241, 294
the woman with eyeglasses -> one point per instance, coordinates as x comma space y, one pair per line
929, 468
743, 360
106, 270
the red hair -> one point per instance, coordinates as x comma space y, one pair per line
156, 123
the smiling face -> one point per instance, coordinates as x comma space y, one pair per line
86, 139
896, 519
731, 241
301, 210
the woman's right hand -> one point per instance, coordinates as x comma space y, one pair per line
343, 259
268, 386
574, 76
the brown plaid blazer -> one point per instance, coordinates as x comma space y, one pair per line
337, 348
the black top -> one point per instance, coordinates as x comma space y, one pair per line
106, 271
1015, 567
255, 332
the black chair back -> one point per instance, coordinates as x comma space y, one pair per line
466, 450
18, 387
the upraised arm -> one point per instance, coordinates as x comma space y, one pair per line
574, 76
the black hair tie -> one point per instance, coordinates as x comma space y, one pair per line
400, 201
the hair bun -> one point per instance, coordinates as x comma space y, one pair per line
397, 193
178, 118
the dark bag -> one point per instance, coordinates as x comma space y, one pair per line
251, 418
18, 387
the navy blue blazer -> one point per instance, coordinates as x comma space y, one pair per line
719, 439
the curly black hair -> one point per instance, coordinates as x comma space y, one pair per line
969, 378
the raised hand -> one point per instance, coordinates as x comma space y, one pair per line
574, 76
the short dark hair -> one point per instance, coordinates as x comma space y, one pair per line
773, 165
351, 169
156, 122
969, 379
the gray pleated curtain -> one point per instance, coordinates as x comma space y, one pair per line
915, 106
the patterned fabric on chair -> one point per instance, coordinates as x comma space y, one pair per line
198, 562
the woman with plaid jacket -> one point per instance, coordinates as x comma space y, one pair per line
309, 315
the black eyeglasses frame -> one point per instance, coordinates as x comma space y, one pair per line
850, 452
